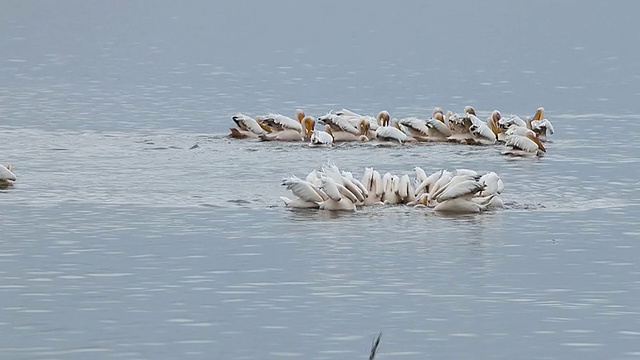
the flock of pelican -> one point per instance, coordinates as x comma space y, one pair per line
7, 177
460, 191
521, 137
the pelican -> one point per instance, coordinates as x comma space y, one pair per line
7, 177
341, 129
493, 123
287, 129
340, 198
527, 145
492, 184
459, 126
331, 171
480, 132
438, 130
307, 194
458, 197
416, 127
540, 125
391, 183
372, 181
321, 138
247, 127
389, 133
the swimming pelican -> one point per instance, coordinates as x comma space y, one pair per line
527, 145
391, 184
457, 197
307, 194
7, 177
540, 125
493, 123
438, 130
321, 138
416, 127
389, 133
287, 129
480, 132
248, 127
340, 198
372, 181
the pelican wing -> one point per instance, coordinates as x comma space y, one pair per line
538, 125
391, 133
420, 174
6, 173
281, 122
523, 143
479, 129
304, 189
404, 186
428, 183
356, 182
439, 127
339, 123
519, 130
460, 189
319, 138
415, 125
331, 189
248, 123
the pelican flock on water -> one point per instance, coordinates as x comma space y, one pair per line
519, 137
458, 191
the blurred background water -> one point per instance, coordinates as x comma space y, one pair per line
123, 240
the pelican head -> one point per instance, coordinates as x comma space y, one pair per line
494, 121
308, 124
300, 115
437, 110
539, 114
364, 127
438, 116
383, 118
470, 110
264, 126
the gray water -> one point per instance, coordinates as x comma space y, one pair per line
122, 239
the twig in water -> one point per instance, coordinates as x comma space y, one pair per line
374, 347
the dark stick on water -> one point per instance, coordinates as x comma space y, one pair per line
374, 347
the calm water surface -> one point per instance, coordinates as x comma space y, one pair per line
124, 240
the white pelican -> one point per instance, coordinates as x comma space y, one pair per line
307, 194
492, 184
372, 181
389, 133
493, 123
248, 127
458, 197
321, 138
340, 198
7, 177
331, 171
391, 184
527, 145
459, 126
427, 184
438, 130
287, 129
405, 190
481, 133
338, 124
416, 127
540, 125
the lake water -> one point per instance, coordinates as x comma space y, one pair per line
121, 239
